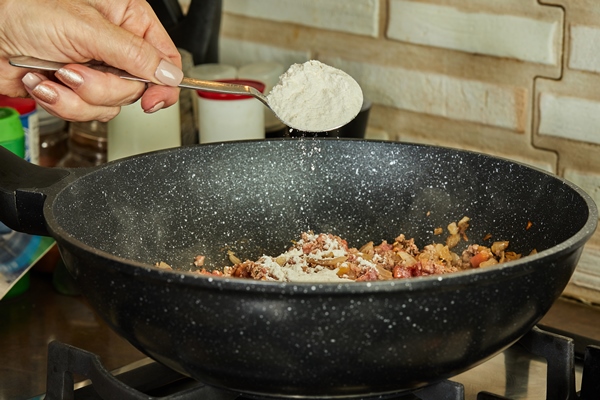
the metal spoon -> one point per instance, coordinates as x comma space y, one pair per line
187, 83
197, 84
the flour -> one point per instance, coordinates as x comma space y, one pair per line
314, 97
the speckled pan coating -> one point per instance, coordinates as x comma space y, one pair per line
315, 340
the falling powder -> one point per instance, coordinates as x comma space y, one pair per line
315, 97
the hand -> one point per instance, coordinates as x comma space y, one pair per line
125, 34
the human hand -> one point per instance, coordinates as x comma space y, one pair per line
125, 34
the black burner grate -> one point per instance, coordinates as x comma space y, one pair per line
152, 381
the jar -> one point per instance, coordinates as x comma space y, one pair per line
27, 109
267, 72
226, 116
87, 145
53, 138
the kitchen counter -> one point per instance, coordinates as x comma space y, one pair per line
40, 315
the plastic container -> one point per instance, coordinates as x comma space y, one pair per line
209, 72
27, 109
225, 117
134, 132
267, 72
12, 135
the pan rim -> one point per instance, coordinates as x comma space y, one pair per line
449, 281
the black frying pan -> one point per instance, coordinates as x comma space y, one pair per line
313, 340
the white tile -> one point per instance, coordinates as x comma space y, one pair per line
497, 35
585, 48
569, 117
238, 52
438, 94
360, 17
588, 181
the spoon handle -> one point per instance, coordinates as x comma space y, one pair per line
187, 83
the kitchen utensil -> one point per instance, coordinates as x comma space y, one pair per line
186, 83
114, 222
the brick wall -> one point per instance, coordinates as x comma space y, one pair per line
514, 78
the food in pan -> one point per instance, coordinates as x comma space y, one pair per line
324, 257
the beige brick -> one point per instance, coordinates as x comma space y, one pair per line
585, 48
569, 117
237, 52
511, 36
588, 181
438, 94
359, 17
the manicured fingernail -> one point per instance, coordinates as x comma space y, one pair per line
31, 80
70, 77
156, 107
45, 93
168, 73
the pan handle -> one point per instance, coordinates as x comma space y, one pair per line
23, 190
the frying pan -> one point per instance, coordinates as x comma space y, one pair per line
274, 339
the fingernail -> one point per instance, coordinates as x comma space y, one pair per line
31, 80
168, 74
156, 107
45, 93
70, 77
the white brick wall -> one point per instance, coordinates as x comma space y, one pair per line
238, 53
357, 16
589, 182
497, 35
570, 118
585, 48
439, 94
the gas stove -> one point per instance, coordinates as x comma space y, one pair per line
541, 365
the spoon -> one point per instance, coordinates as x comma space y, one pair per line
186, 83
299, 119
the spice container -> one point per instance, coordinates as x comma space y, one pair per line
226, 116
27, 109
209, 72
87, 145
267, 72
133, 131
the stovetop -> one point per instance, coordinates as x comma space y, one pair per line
42, 315
542, 365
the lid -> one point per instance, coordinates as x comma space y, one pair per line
228, 96
22, 105
10, 125
212, 72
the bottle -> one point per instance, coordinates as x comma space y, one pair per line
133, 131
27, 109
226, 116
267, 72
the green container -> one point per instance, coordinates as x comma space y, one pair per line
12, 135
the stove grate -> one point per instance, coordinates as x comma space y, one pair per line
65, 360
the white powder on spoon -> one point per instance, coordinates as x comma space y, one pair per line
315, 97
